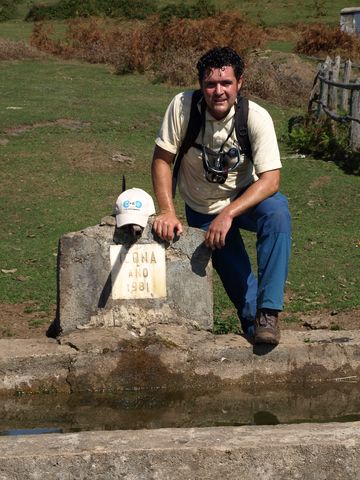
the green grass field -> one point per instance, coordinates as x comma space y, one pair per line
63, 124
61, 177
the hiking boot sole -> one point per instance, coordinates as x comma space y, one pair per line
268, 337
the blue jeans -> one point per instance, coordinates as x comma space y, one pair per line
271, 221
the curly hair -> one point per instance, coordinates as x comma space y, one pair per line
220, 57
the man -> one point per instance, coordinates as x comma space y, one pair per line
223, 201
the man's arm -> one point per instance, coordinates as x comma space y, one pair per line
267, 185
166, 224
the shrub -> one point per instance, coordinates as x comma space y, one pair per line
200, 9
41, 39
176, 67
225, 29
132, 9
62, 10
319, 39
67, 9
150, 45
17, 50
8, 9
203, 9
136, 9
326, 140
283, 79
39, 13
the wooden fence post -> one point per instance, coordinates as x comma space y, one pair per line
329, 100
333, 91
345, 91
355, 113
324, 89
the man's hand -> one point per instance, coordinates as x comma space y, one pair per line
267, 185
218, 229
167, 225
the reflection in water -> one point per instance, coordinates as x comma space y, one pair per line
158, 409
30, 431
265, 418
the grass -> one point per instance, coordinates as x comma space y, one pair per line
287, 12
325, 212
15, 30
56, 179
281, 46
324, 269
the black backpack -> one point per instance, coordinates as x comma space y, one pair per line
195, 122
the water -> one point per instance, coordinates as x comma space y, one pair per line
39, 414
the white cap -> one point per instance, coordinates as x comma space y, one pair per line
134, 206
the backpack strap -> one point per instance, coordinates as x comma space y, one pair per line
241, 120
192, 131
195, 123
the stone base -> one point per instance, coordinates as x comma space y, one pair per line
85, 282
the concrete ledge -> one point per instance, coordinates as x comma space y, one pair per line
307, 451
173, 358
34, 365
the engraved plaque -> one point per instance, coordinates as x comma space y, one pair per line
138, 271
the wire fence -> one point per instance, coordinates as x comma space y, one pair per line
337, 95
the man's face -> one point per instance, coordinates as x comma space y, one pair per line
220, 88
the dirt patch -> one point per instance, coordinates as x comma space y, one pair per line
83, 156
94, 157
24, 320
319, 182
61, 122
324, 320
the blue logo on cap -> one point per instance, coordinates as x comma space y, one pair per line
128, 204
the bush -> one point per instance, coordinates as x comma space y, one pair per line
176, 67
41, 39
319, 39
324, 139
283, 79
203, 9
228, 28
132, 9
151, 45
67, 9
62, 10
17, 50
8, 9
39, 13
137, 9
200, 9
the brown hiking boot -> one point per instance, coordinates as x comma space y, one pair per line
267, 327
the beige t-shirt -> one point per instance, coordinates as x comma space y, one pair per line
201, 195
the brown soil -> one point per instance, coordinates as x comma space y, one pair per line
333, 320
61, 122
94, 157
20, 321
24, 320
